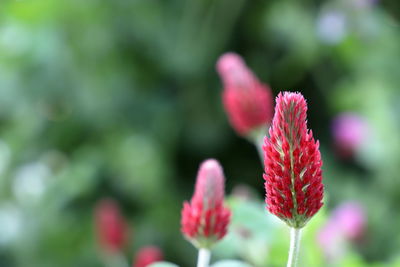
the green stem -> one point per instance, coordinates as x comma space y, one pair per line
116, 259
203, 259
260, 150
257, 138
295, 236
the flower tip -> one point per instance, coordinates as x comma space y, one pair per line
210, 167
210, 164
228, 61
288, 96
210, 178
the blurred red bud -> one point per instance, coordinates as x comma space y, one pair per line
111, 228
148, 255
247, 102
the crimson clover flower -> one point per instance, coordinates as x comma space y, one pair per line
247, 101
205, 219
293, 175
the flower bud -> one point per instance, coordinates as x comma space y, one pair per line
246, 100
148, 255
111, 228
205, 219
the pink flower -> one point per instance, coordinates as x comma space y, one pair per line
112, 230
350, 218
205, 219
148, 255
293, 175
247, 101
330, 239
349, 131
347, 223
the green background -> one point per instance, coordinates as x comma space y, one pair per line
121, 99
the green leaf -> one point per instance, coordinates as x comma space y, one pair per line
230, 263
252, 233
163, 264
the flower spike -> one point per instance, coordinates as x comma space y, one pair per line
293, 175
205, 219
246, 100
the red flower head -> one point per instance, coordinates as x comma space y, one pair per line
148, 255
205, 219
293, 175
111, 228
247, 101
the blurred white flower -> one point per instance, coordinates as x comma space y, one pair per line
331, 27
14, 39
364, 3
30, 182
10, 223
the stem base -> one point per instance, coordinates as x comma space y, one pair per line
295, 236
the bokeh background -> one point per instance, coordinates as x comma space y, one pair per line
120, 99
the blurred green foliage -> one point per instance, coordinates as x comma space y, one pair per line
120, 99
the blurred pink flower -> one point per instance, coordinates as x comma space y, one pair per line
148, 255
351, 219
329, 238
112, 231
349, 130
347, 223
